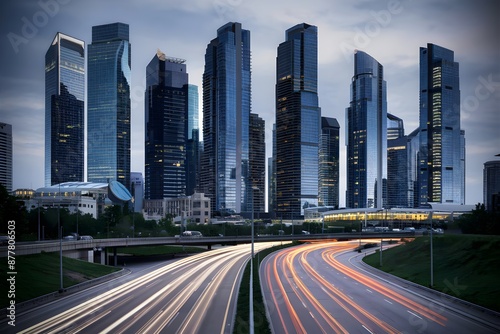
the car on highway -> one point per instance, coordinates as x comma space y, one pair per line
192, 234
4, 240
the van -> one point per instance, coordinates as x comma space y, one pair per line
192, 234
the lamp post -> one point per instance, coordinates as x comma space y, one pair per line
251, 322
432, 256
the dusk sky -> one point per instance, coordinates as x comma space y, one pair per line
390, 31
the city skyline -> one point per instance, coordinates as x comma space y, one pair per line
466, 28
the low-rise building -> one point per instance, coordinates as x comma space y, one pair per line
190, 209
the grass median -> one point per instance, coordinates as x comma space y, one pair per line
465, 266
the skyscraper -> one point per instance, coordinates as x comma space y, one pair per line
166, 127
442, 142
329, 162
366, 120
395, 127
64, 110
193, 142
397, 163
226, 116
108, 98
257, 164
6, 156
137, 191
298, 122
491, 184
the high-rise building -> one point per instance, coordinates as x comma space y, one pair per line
366, 121
395, 127
193, 142
64, 110
257, 162
137, 191
329, 154
271, 195
442, 142
6, 156
108, 104
397, 163
298, 122
224, 174
166, 127
491, 184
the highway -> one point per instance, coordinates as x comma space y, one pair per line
194, 294
323, 288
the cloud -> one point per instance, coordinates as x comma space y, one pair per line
184, 28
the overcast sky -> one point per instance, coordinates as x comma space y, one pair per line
390, 31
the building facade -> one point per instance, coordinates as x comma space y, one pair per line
166, 113
6, 156
298, 122
257, 162
224, 174
329, 155
137, 191
442, 142
64, 110
395, 127
193, 142
366, 121
187, 209
491, 184
108, 99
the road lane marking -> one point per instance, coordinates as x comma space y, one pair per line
369, 331
388, 301
415, 315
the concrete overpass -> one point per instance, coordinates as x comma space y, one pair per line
82, 249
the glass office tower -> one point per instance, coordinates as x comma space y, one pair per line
226, 115
257, 165
193, 142
6, 156
64, 110
298, 122
366, 120
108, 110
442, 143
166, 127
329, 155
491, 185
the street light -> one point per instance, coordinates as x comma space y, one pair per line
251, 322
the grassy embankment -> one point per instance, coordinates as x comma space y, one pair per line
465, 266
39, 274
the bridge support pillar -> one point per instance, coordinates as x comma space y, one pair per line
115, 257
103, 256
209, 247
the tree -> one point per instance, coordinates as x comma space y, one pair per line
11, 210
480, 221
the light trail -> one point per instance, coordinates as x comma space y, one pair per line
290, 274
151, 306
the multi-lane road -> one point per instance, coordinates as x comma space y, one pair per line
323, 288
195, 294
313, 288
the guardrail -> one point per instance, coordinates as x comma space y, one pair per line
23, 248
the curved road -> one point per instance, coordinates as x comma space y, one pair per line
195, 294
322, 288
